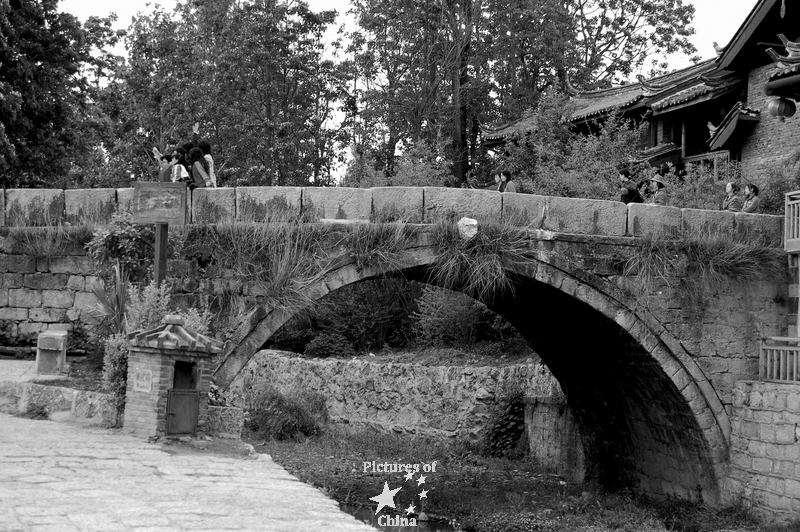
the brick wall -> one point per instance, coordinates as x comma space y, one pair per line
146, 411
771, 140
765, 453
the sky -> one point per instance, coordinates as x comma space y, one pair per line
715, 20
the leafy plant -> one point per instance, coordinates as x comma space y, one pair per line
447, 318
506, 423
110, 307
115, 369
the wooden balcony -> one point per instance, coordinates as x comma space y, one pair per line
779, 360
792, 222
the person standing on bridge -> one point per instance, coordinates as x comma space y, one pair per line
658, 191
629, 190
733, 202
504, 181
751, 201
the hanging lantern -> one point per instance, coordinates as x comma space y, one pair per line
781, 107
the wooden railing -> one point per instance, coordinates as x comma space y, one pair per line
792, 222
779, 359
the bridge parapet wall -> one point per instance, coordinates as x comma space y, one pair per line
25, 207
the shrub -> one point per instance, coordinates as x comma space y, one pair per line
506, 423
447, 318
48, 241
115, 369
286, 416
379, 246
329, 344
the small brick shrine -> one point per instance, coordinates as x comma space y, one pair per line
169, 372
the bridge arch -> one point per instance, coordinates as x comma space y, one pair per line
649, 418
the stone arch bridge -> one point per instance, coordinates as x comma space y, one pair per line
650, 385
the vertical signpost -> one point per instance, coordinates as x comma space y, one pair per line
161, 204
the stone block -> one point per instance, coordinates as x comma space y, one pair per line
34, 207
2, 207
58, 298
76, 282
73, 264
391, 204
24, 298
12, 280
586, 216
47, 315
125, 200
45, 281
792, 488
524, 209
21, 264
645, 219
90, 206
261, 204
337, 203
225, 421
3, 297
759, 226
483, 205
30, 330
213, 205
785, 433
696, 221
84, 300
13, 314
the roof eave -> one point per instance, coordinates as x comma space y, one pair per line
744, 32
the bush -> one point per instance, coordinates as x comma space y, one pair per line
286, 417
506, 423
115, 370
330, 344
447, 318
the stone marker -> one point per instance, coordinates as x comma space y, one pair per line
467, 228
51, 352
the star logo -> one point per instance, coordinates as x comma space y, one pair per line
424, 494
385, 498
421, 480
410, 509
409, 475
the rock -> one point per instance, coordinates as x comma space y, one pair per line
467, 228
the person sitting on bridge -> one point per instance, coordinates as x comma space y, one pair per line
733, 202
629, 190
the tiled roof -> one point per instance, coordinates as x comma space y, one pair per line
172, 335
728, 125
527, 123
593, 103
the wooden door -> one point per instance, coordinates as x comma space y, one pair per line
182, 411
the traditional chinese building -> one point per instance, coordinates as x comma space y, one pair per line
737, 106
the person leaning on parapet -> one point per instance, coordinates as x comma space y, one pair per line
505, 182
751, 201
205, 146
629, 190
199, 166
658, 191
732, 202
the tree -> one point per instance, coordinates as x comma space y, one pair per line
615, 38
46, 58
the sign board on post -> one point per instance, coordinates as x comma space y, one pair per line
160, 204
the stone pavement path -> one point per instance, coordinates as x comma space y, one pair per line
64, 477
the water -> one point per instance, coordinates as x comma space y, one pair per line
367, 515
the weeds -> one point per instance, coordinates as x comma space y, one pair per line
379, 246
478, 267
702, 261
48, 241
279, 260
